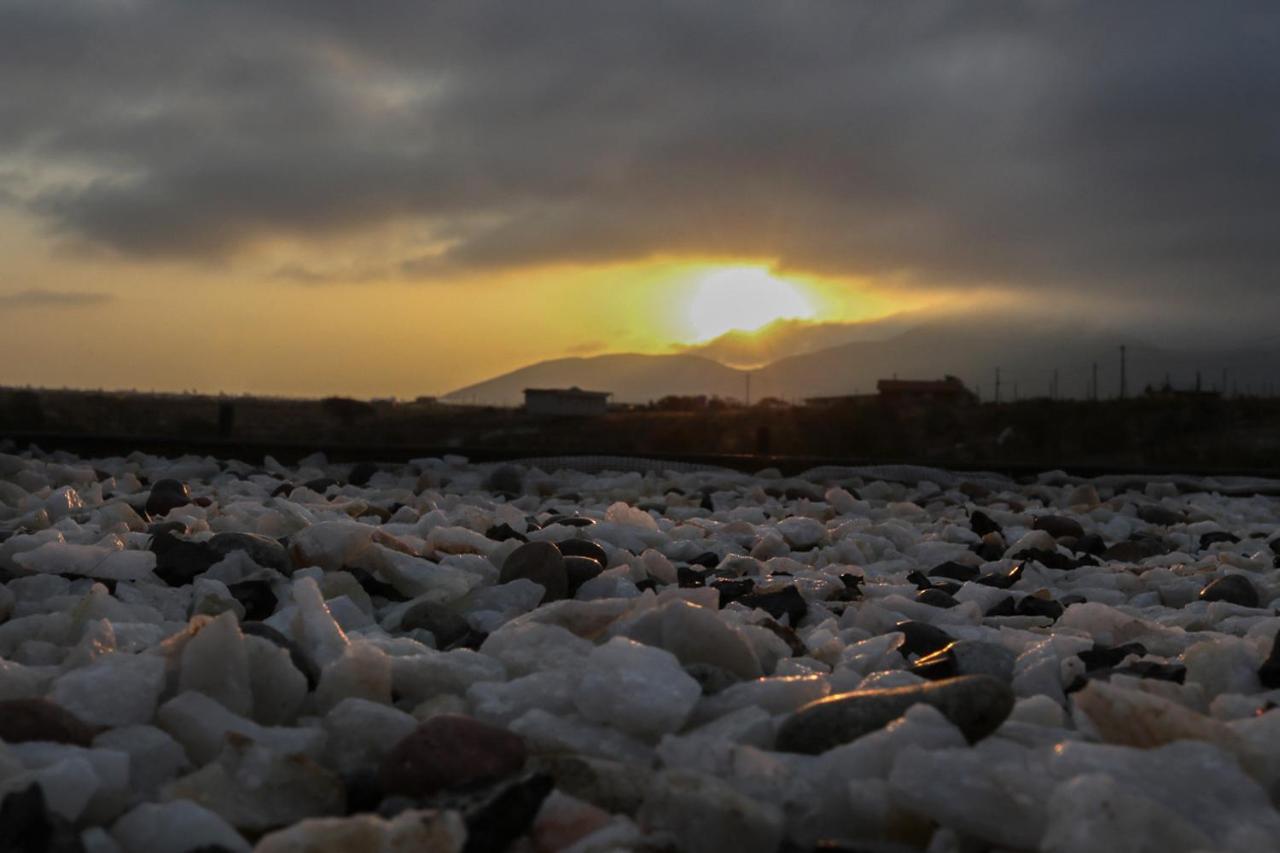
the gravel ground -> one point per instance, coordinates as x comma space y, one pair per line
201, 654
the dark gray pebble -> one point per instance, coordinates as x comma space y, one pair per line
540, 562
976, 704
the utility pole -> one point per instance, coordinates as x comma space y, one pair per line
1123, 377
997, 385
1093, 391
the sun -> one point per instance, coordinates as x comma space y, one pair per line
743, 299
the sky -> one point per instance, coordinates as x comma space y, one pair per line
315, 196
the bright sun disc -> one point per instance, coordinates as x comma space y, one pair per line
743, 299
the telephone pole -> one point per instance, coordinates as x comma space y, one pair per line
1123, 377
1093, 388
997, 385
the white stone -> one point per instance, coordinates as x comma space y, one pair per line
175, 827
255, 788
422, 831
701, 812
363, 671
215, 662
201, 725
421, 676
636, 688
154, 756
116, 689
361, 733
87, 561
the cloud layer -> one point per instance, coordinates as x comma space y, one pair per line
1049, 147
41, 298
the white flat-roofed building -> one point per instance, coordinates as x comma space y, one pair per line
565, 401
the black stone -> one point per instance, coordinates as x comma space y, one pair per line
167, 495
579, 570
1058, 526
256, 596
976, 704
370, 584
935, 598
989, 551
1134, 550
473, 640
361, 473
711, 678
1269, 672
1090, 543
495, 825
505, 480
23, 720
1030, 605
1002, 580
282, 490
264, 551
948, 586
784, 601
503, 532
1003, 607
919, 579
1174, 672
955, 571
982, 524
921, 638
444, 623
707, 559
541, 563
690, 578
179, 562
300, 659
1159, 515
583, 548
164, 533
569, 521
788, 636
732, 589
364, 791
967, 657
27, 826
1234, 589
1215, 536
1052, 559
646, 584
1105, 657
706, 503
320, 484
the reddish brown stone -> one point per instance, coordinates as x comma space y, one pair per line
39, 719
450, 752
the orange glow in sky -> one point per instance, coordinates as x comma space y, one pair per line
743, 299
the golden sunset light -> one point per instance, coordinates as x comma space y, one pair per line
743, 299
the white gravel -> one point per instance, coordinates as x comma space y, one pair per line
256, 691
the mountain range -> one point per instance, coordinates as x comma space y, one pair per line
834, 359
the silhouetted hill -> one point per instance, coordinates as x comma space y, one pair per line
631, 378
971, 347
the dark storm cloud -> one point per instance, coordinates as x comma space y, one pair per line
1030, 144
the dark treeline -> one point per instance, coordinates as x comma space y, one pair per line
1161, 430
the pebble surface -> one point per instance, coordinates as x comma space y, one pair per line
198, 653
